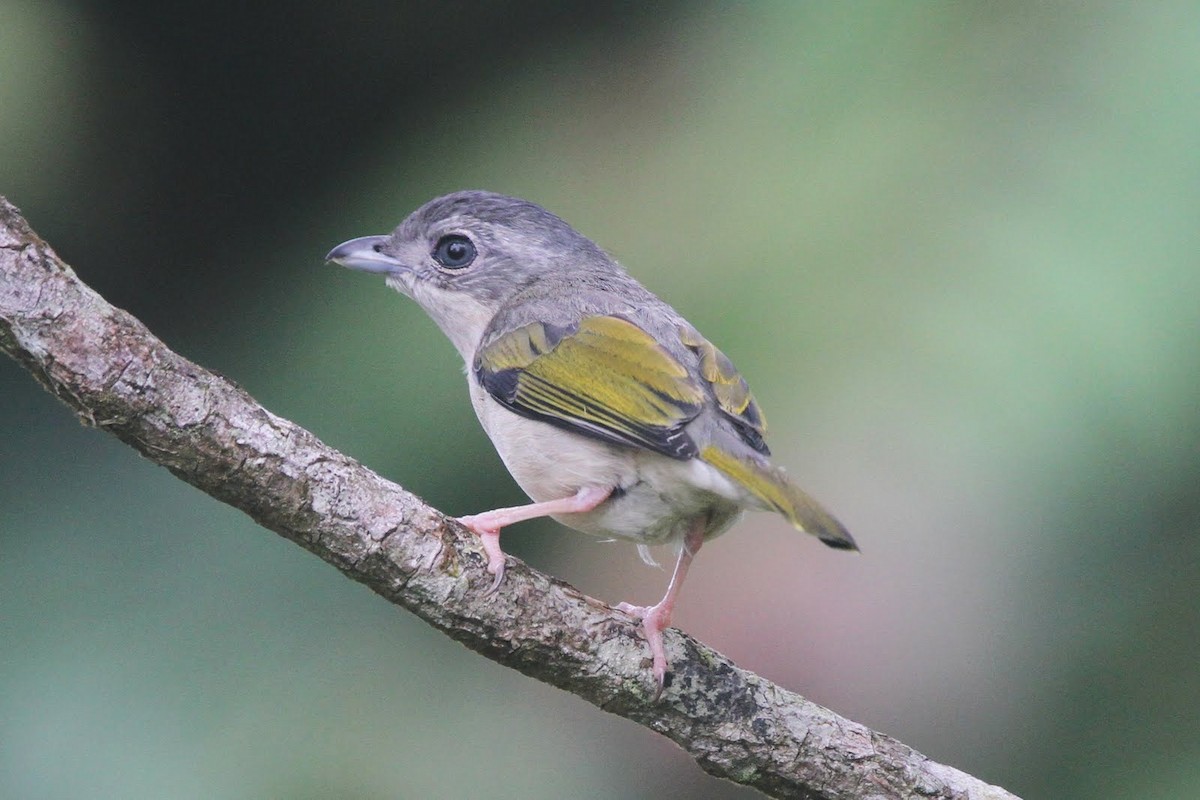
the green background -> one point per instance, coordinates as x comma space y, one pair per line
955, 248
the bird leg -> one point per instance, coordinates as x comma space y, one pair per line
488, 524
657, 618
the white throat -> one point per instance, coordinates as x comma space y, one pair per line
461, 317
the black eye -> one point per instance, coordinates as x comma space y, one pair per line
454, 251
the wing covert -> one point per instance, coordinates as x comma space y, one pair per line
605, 378
729, 387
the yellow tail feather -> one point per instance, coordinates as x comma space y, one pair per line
773, 488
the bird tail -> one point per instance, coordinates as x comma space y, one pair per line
772, 487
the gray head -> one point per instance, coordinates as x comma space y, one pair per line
466, 255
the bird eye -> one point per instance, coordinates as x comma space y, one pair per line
454, 251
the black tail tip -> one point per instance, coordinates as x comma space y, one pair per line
843, 542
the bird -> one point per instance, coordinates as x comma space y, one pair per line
610, 410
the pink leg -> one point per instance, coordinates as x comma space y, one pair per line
657, 618
488, 524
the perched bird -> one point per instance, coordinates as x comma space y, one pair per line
610, 410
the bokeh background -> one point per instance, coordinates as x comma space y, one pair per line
954, 247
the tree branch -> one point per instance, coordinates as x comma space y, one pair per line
115, 375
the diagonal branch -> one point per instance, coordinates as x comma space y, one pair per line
115, 375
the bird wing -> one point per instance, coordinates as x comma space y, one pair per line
729, 387
603, 377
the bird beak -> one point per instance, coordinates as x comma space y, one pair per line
366, 254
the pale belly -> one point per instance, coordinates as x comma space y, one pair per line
655, 498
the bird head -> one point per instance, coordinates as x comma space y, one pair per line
465, 256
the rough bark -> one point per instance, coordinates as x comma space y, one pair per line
115, 375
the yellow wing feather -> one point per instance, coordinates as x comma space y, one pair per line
729, 387
772, 487
606, 377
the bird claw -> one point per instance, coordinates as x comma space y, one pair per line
653, 625
489, 537
637, 612
496, 569
435, 557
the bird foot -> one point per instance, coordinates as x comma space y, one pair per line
489, 536
488, 524
655, 620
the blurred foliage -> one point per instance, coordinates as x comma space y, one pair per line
953, 246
